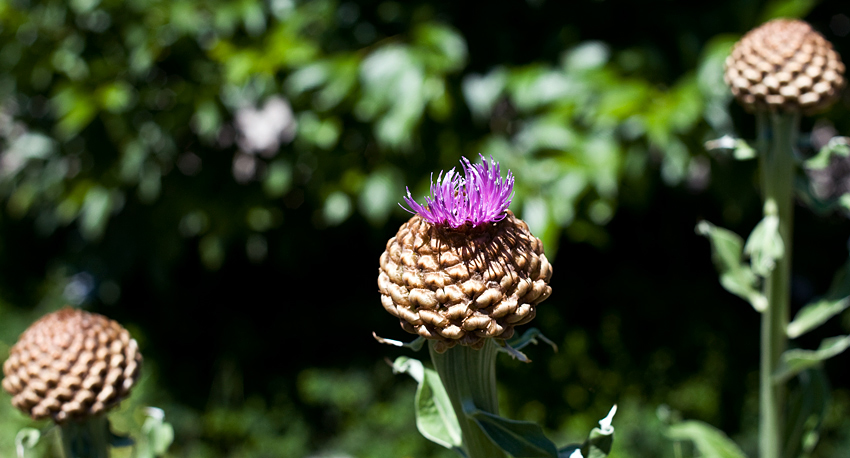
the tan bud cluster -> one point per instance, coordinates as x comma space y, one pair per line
786, 66
71, 364
461, 286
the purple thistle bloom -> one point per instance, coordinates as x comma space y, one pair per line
479, 197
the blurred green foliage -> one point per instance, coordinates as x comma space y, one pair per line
222, 176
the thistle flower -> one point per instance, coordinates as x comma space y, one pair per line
480, 197
464, 268
786, 66
71, 365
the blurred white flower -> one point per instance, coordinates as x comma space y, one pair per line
244, 167
264, 130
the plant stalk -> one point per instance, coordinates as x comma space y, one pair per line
470, 374
88, 438
777, 137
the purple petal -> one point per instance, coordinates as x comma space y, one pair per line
478, 197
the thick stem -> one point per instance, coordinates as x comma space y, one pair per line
470, 374
777, 138
88, 438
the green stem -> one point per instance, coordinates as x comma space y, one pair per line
470, 374
777, 137
88, 438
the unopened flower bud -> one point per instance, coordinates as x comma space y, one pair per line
784, 66
71, 364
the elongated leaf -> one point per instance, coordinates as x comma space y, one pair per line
600, 440
710, 441
765, 246
838, 146
813, 315
807, 405
735, 276
530, 336
522, 439
415, 344
740, 149
796, 360
435, 417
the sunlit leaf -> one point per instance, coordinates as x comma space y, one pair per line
95, 212
76, 109
588, 55
735, 276
836, 146
816, 313
786, 9
600, 440
26, 439
278, 178
482, 91
447, 48
519, 438
435, 417
116, 97
710, 441
796, 360
337, 208
765, 246
380, 194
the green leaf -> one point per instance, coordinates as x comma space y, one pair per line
839, 146
380, 194
740, 149
807, 405
588, 55
116, 97
435, 417
482, 92
76, 109
530, 336
157, 435
765, 246
816, 313
796, 360
710, 441
787, 9
735, 276
600, 440
415, 345
26, 439
522, 439
445, 49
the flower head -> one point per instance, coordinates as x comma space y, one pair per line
784, 66
71, 364
457, 286
479, 197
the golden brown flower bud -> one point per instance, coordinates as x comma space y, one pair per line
784, 65
71, 364
463, 285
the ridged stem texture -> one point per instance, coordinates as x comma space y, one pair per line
777, 137
470, 374
87, 438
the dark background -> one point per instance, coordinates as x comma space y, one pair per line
273, 356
